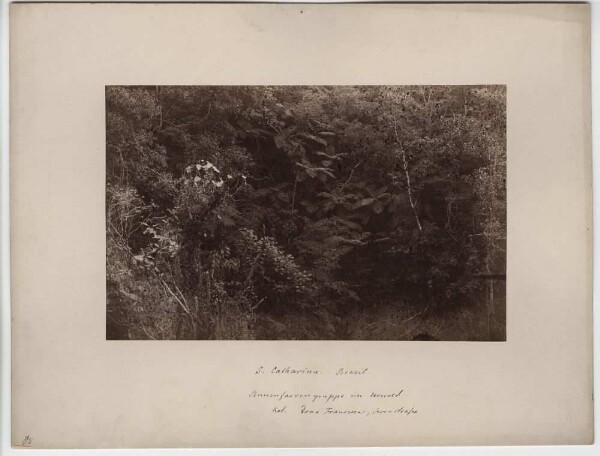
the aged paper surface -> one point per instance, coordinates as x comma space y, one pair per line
74, 389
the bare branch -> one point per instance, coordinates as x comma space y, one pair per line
400, 322
351, 173
147, 333
183, 306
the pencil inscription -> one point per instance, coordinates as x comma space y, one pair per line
318, 400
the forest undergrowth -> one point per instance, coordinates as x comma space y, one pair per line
306, 212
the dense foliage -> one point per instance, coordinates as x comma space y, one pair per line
305, 212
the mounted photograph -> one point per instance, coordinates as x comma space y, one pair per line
306, 213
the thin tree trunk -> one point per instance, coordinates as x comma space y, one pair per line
413, 205
410, 196
491, 238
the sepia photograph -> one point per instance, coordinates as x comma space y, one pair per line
306, 213
373, 217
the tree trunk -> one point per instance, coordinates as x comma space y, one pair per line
412, 202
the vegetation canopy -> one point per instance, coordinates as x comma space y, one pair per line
291, 212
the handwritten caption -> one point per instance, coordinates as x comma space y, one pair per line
370, 402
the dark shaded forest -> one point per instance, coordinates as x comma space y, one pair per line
291, 212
